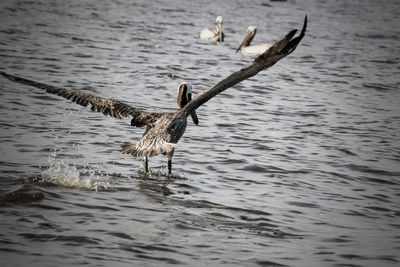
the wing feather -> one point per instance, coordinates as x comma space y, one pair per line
107, 106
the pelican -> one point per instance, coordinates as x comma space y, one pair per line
252, 50
163, 130
213, 35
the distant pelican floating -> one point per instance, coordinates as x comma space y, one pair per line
213, 35
165, 129
252, 50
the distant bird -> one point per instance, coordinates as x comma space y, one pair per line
252, 50
213, 35
165, 129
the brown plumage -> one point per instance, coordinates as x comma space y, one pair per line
163, 130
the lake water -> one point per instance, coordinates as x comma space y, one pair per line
297, 166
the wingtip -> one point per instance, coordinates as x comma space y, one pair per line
286, 45
303, 31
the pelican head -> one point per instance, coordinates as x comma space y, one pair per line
184, 97
184, 94
250, 33
218, 20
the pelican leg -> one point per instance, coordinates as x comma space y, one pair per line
170, 161
146, 164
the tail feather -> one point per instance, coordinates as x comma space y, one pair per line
139, 150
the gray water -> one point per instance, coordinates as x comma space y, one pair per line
297, 166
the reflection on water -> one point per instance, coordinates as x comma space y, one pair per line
297, 166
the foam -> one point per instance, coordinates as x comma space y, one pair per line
66, 174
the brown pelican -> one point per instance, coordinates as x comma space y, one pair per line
213, 35
165, 129
252, 50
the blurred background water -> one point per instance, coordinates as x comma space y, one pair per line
297, 166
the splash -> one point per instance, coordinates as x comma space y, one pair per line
61, 173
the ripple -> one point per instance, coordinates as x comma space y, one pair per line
304, 204
296, 163
120, 235
22, 194
71, 240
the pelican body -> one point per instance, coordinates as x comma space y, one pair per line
252, 50
213, 35
184, 96
164, 130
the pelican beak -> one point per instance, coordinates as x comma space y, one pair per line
247, 38
194, 118
219, 26
193, 114
240, 46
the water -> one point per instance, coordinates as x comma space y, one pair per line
297, 166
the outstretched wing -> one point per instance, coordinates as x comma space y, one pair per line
266, 60
111, 107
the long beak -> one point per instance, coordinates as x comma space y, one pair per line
219, 26
246, 40
193, 114
194, 118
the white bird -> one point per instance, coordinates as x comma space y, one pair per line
163, 130
213, 35
252, 50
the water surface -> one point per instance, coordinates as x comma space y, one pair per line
297, 166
